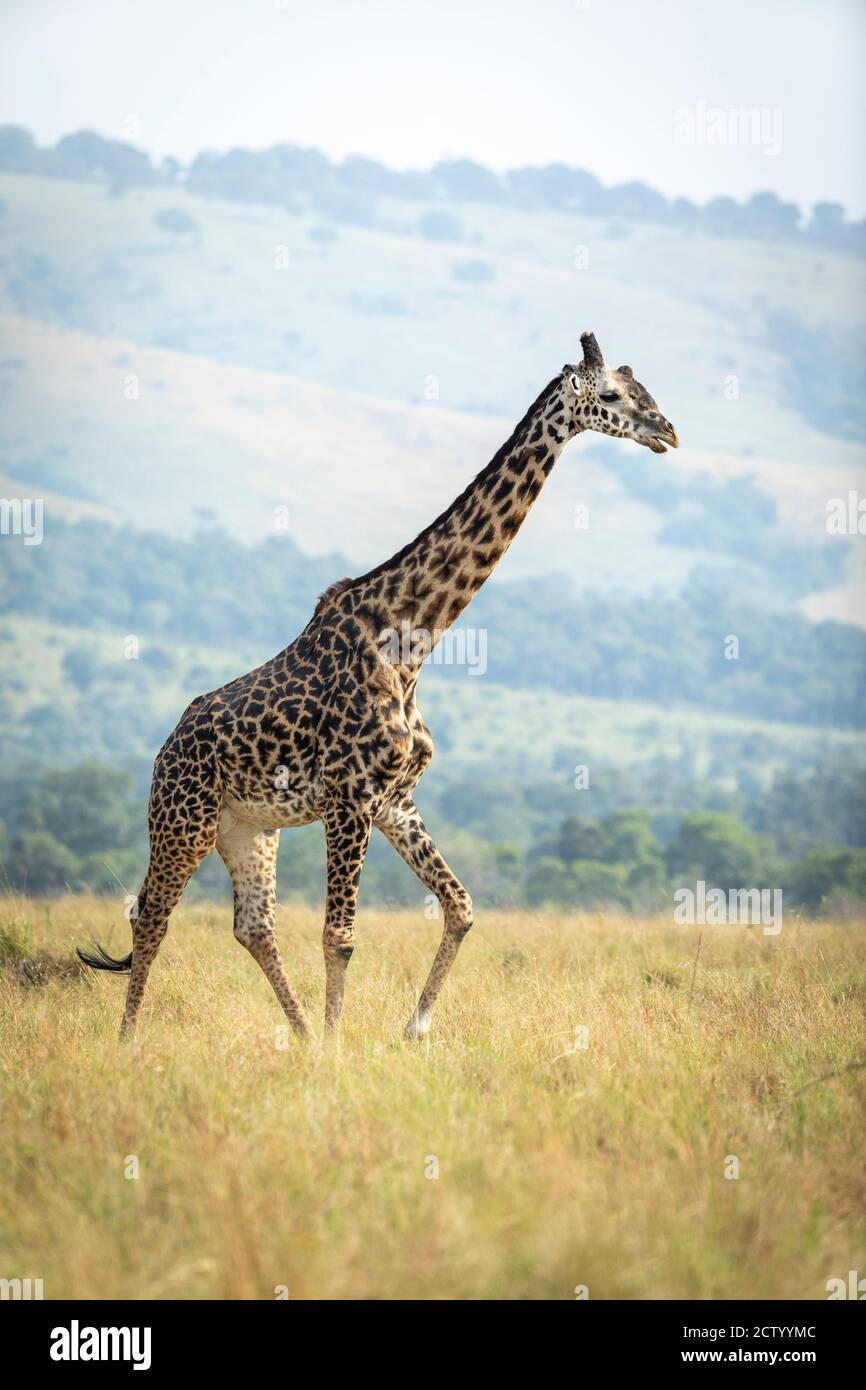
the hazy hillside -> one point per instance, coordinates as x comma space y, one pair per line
483, 322
265, 454
245, 358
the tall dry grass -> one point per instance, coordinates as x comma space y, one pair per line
558, 1166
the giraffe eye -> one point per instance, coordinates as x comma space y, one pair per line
609, 396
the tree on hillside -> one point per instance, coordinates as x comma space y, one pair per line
615, 860
556, 186
466, 181
826, 872
39, 863
713, 846
18, 151
686, 214
87, 155
724, 217
371, 177
579, 839
87, 808
276, 175
584, 884
828, 803
627, 838
636, 201
767, 216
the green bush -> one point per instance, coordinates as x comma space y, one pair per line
41, 864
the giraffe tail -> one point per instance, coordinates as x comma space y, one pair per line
103, 961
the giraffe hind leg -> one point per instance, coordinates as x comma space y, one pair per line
167, 876
250, 855
183, 816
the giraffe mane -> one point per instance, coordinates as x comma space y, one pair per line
489, 468
332, 591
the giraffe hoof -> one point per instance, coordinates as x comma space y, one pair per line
416, 1028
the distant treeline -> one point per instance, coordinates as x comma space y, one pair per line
294, 178
703, 647
82, 829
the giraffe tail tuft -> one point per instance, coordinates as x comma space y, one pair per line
103, 961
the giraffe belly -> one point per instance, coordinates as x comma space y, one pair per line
269, 812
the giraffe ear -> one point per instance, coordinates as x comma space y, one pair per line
592, 354
576, 384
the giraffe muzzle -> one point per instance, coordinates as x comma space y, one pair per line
660, 438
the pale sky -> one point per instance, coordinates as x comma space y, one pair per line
592, 83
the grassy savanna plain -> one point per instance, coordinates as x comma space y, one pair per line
498, 1159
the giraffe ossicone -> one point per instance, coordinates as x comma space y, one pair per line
328, 730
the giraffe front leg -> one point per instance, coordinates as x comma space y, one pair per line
410, 837
347, 832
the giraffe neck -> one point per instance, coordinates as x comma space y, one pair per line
424, 588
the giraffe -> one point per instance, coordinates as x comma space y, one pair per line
329, 729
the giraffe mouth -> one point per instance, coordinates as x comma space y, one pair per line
659, 441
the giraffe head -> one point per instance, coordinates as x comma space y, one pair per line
611, 401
